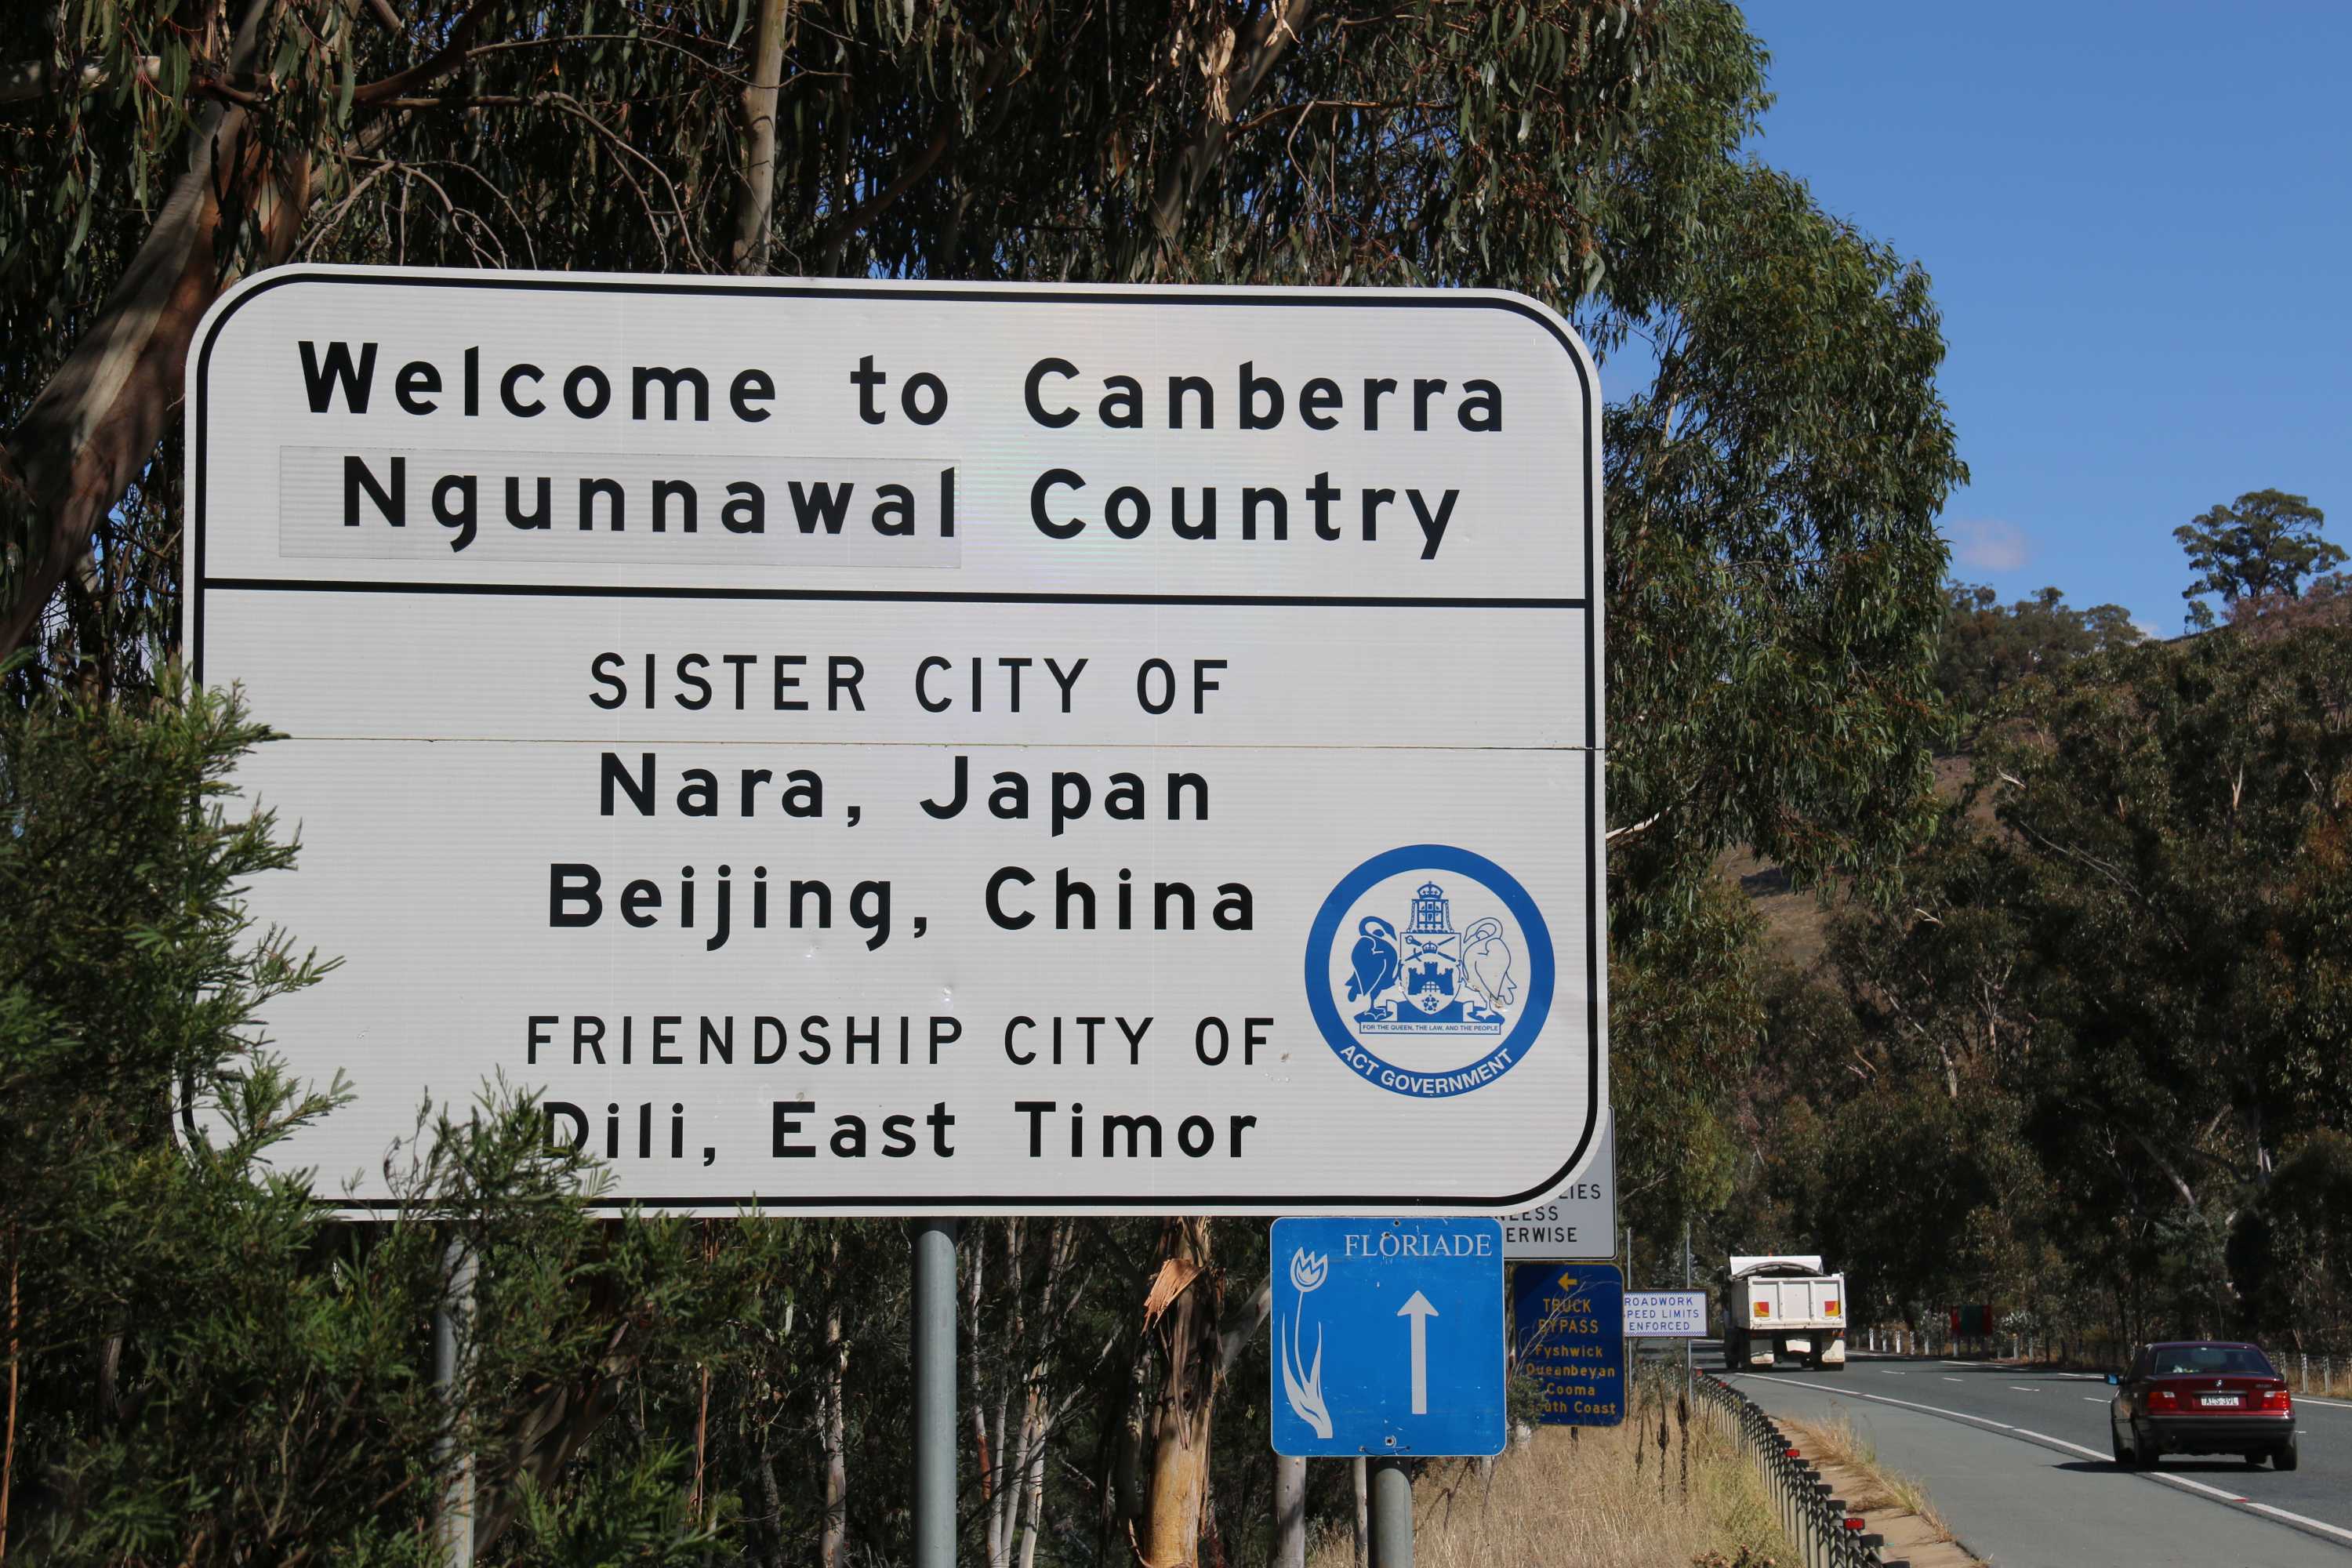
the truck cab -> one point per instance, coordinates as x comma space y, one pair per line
1784, 1310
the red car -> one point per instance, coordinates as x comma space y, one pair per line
2201, 1396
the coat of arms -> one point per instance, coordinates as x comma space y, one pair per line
1428, 978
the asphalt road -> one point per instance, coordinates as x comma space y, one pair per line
2018, 1464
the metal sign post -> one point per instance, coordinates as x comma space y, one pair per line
1392, 1514
933, 1354
452, 1330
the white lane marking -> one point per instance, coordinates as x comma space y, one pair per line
2331, 1403
2023, 1388
2336, 1531
2201, 1486
1908, 1404
2061, 1443
1951, 1380
2093, 1399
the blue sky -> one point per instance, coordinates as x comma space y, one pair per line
2138, 217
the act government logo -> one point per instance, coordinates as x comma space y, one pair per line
1429, 971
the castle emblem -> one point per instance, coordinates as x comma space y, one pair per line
1445, 982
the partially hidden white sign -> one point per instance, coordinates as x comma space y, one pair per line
857, 748
1577, 1221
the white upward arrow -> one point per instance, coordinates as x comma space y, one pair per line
1420, 1312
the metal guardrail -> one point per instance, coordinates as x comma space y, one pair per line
1825, 1534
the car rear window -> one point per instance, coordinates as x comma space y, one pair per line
2210, 1360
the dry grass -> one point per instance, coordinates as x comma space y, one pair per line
1561, 1494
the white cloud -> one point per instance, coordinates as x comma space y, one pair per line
1989, 544
2148, 628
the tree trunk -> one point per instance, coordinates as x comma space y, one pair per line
1361, 1474
831, 1548
1181, 1314
755, 201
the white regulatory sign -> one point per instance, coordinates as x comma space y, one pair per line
865, 748
1666, 1314
1579, 1220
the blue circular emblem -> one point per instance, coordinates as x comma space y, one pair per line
1429, 971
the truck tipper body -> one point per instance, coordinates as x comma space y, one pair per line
1783, 1311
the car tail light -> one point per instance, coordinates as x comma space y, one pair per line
2276, 1399
2163, 1399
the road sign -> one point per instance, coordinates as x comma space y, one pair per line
1388, 1336
1580, 1220
1666, 1314
856, 747
1567, 1322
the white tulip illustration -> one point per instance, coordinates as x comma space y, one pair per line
1304, 1386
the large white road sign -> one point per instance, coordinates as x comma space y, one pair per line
857, 748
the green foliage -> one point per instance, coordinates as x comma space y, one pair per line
1774, 569
2086, 1034
210, 1370
1685, 1016
1987, 649
2291, 1252
2262, 547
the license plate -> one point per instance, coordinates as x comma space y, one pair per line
2219, 1401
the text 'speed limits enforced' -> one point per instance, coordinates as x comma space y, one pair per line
867, 748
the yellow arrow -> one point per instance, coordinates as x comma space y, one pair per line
1568, 1281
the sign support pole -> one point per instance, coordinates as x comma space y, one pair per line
934, 1356
1392, 1514
1289, 1512
456, 1524
1690, 1373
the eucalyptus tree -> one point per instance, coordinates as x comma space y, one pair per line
2115, 983
2260, 549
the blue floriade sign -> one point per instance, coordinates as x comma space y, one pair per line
1388, 1336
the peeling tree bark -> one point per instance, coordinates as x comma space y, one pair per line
94, 427
1186, 171
1181, 1315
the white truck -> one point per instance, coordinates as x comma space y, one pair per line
1784, 1310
